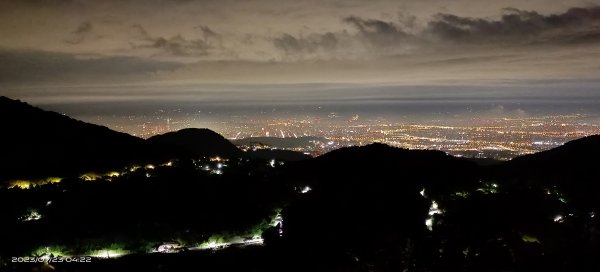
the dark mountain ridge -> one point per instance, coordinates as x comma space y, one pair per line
570, 168
38, 142
382, 208
197, 142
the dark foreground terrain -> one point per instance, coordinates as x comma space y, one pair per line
191, 201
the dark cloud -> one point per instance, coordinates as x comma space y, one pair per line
81, 33
379, 33
326, 42
210, 36
207, 32
514, 27
517, 26
140, 33
180, 46
31, 67
83, 28
176, 45
47, 2
372, 36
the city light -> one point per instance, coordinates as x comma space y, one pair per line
530, 239
90, 176
21, 184
429, 223
559, 219
47, 251
31, 215
28, 184
433, 210
112, 174
172, 247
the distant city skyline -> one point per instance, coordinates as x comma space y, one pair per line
238, 67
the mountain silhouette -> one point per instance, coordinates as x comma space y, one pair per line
573, 156
197, 142
37, 143
572, 168
377, 162
205, 142
375, 207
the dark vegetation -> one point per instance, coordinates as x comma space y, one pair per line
366, 210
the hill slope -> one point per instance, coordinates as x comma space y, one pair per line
197, 142
41, 143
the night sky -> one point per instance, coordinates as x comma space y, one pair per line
82, 50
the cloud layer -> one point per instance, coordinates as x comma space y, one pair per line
299, 41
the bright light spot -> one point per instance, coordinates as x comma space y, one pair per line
45, 252
214, 243
169, 248
305, 190
489, 188
32, 215
559, 219
219, 165
429, 223
433, 210
169, 164
530, 239
48, 203
28, 184
217, 172
113, 174
149, 166
278, 220
254, 241
21, 184
108, 253
462, 194
53, 180
272, 163
592, 214
422, 192
90, 176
